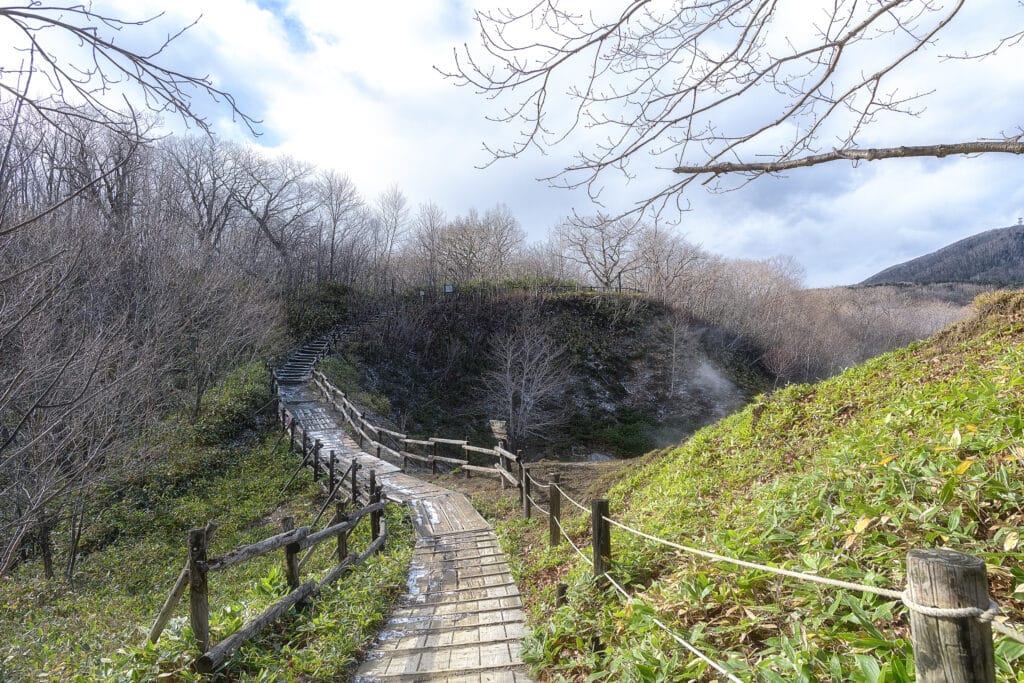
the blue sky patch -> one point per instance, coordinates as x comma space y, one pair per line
298, 37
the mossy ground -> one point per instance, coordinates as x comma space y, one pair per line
227, 470
921, 447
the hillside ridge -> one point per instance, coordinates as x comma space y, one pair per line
993, 256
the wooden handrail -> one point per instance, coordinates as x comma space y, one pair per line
248, 552
508, 454
478, 449
451, 442
330, 532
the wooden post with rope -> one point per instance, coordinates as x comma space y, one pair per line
956, 648
554, 510
525, 490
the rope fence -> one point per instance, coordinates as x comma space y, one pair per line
575, 547
987, 614
676, 637
535, 482
932, 605
569, 498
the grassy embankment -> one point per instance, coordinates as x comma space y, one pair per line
920, 447
229, 470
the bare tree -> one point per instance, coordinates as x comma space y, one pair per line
276, 196
503, 236
526, 384
664, 261
604, 246
339, 202
390, 227
670, 80
428, 227
201, 185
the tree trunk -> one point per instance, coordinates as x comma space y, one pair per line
45, 544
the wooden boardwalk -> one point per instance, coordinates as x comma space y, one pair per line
461, 618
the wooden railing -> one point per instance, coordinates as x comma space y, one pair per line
195, 575
397, 448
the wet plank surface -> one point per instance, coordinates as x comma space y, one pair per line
461, 618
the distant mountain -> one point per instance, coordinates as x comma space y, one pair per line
993, 256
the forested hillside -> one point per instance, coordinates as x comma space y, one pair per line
994, 256
571, 373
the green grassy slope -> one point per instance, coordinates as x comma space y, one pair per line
921, 447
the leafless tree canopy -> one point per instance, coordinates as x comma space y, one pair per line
526, 383
707, 88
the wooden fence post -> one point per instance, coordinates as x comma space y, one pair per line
291, 555
339, 517
355, 483
502, 463
291, 434
602, 540
316, 459
330, 472
527, 512
953, 649
554, 510
198, 588
375, 497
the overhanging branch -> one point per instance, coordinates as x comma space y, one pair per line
1012, 146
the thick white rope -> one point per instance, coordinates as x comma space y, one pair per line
539, 508
986, 615
569, 498
536, 483
574, 546
676, 637
884, 592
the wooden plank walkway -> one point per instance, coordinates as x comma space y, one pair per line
460, 619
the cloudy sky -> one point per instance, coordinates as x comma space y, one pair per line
352, 86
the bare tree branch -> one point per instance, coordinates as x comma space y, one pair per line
737, 88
